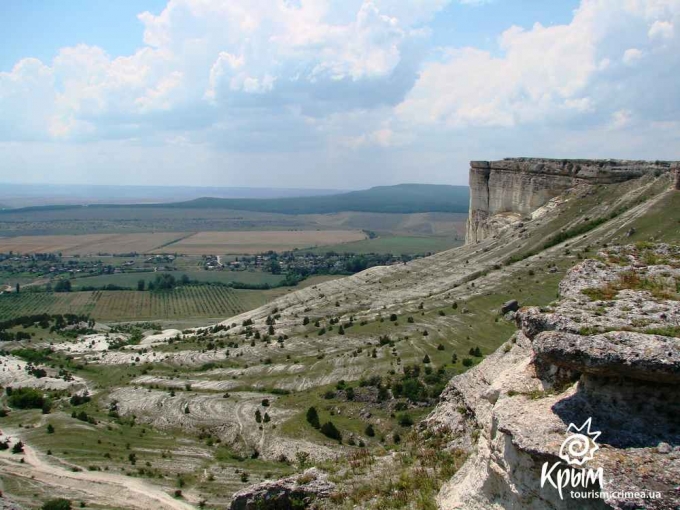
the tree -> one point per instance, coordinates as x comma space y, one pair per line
258, 416
57, 504
266, 418
313, 418
18, 288
454, 358
341, 330
405, 420
26, 398
369, 431
305, 321
467, 362
141, 285
426, 359
331, 431
50, 428
63, 286
18, 447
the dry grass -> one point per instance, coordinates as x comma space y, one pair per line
89, 243
236, 242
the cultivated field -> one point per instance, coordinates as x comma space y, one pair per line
88, 243
130, 279
260, 241
181, 303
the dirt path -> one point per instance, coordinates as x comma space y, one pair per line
106, 489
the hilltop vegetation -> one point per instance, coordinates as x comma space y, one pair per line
402, 198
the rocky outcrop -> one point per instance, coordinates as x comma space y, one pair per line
608, 351
298, 491
509, 190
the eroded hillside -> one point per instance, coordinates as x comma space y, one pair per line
209, 411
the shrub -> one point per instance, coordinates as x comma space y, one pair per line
331, 431
467, 362
57, 504
313, 418
26, 398
405, 420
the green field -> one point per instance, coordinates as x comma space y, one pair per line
180, 303
397, 245
130, 279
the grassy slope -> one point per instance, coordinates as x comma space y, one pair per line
455, 330
394, 244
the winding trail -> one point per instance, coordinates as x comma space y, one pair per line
107, 489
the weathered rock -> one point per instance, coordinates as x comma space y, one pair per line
505, 191
616, 354
510, 306
514, 408
284, 494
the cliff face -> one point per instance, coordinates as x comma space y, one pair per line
607, 351
511, 189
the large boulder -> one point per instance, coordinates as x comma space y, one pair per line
297, 491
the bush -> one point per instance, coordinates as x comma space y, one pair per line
26, 398
405, 420
57, 504
467, 362
77, 400
331, 431
313, 418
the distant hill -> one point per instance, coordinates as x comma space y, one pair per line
402, 198
32, 195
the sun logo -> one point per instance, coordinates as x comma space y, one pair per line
580, 446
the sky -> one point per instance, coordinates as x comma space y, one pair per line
329, 93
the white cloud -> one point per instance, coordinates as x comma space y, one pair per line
316, 56
621, 119
553, 74
661, 30
631, 56
275, 81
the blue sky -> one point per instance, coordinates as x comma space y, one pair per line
329, 93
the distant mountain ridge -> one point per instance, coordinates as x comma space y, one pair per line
400, 198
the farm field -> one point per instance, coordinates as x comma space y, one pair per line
181, 304
130, 279
88, 243
260, 241
395, 245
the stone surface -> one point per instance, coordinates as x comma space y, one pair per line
304, 490
510, 306
513, 410
503, 192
